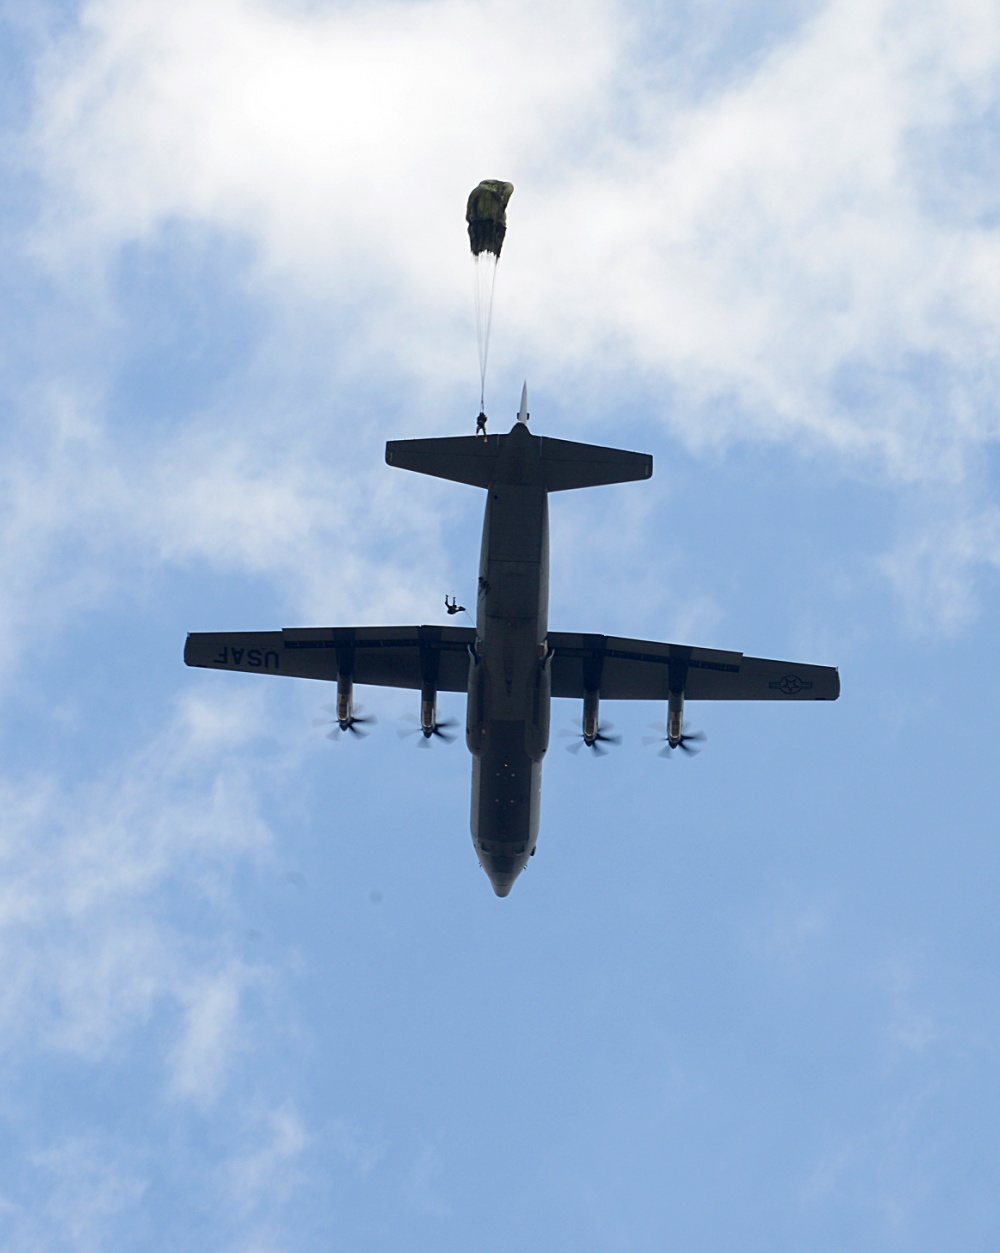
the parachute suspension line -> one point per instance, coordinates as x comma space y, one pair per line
486, 215
485, 282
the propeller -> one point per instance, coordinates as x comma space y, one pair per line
596, 743
357, 720
441, 729
668, 750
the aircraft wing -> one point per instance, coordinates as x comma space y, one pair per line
623, 669
393, 656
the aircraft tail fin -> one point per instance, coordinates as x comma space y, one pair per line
519, 457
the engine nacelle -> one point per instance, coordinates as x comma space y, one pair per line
428, 711
591, 717
675, 719
345, 700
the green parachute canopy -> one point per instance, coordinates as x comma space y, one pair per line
487, 217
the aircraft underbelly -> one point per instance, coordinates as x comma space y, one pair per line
506, 803
510, 685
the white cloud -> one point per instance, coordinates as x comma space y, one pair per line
90, 1189
937, 566
89, 1200
319, 132
211, 1031
359, 1148
808, 252
805, 252
780, 245
267, 1171
58, 495
325, 532
86, 517
421, 1187
793, 933
86, 937
913, 1025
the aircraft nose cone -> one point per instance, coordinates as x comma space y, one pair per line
502, 872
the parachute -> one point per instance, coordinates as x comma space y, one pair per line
487, 217
486, 214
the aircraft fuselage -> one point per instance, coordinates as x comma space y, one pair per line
507, 724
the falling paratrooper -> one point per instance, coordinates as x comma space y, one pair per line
486, 214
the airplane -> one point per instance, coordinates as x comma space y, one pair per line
510, 665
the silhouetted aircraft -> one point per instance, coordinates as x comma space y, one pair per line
510, 664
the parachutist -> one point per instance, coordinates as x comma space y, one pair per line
481, 424
453, 606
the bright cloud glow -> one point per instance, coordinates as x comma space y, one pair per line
786, 245
790, 255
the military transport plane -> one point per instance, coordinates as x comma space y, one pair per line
510, 664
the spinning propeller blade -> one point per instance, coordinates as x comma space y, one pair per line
440, 730
358, 720
686, 740
596, 744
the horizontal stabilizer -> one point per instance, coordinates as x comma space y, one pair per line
566, 465
519, 458
459, 458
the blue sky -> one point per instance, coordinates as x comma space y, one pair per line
258, 995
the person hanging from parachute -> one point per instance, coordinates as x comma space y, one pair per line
486, 214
